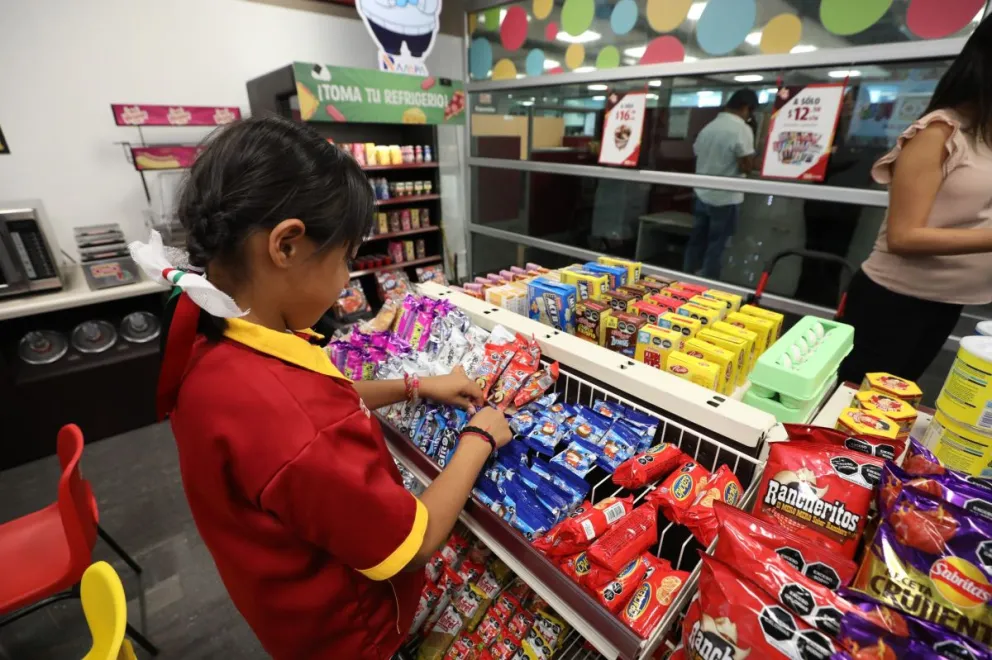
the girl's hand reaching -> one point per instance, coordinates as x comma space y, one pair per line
494, 423
455, 389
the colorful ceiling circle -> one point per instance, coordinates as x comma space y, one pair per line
480, 58
577, 15
624, 17
575, 55
534, 64
936, 19
663, 49
666, 15
542, 8
513, 30
847, 17
724, 25
504, 70
781, 34
608, 58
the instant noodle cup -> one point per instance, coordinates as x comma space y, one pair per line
894, 386
767, 314
701, 372
900, 412
679, 490
652, 599
818, 491
761, 327
855, 421
649, 466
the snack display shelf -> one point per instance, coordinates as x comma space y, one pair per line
404, 166
398, 234
402, 264
406, 199
617, 382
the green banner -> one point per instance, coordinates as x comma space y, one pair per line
338, 94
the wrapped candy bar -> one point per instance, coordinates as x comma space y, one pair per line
520, 368
406, 316
617, 591
590, 426
545, 436
648, 467
523, 422
579, 457
628, 538
578, 532
536, 385
700, 518
679, 490
497, 357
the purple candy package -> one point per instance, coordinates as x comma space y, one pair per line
950, 487
865, 640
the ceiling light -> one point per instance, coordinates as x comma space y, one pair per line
754, 38
653, 97
597, 88
584, 69
696, 10
749, 78
520, 75
583, 38
654, 83
802, 48
526, 103
842, 73
690, 58
637, 52
599, 98
551, 64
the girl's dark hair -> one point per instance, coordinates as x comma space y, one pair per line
260, 171
967, 85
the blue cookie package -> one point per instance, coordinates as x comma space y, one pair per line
590, 426
547, 494
441, 423
523, 421
620, 443
543, 403
524, 511
515, 451
562, 412
541, 466
457, 418
566, 480
545, 436
489, 494
608, 409
446, 445
579, 457
423, 427
646, 424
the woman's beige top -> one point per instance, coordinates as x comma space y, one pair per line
964, 201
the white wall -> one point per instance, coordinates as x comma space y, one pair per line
63, 62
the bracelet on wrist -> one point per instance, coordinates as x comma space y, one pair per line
481, 433
411, 387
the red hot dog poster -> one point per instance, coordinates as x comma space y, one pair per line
801, 132
622, 129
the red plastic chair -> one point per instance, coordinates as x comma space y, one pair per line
45, 553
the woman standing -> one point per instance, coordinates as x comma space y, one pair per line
932, 255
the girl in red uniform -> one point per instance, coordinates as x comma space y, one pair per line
287, 475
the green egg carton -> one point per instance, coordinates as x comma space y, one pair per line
787, 410
803, 381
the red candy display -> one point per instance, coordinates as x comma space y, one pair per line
633, 534
648, 467
700, 517
653, 598
677, 493
573, 535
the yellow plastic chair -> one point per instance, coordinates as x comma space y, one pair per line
105, 607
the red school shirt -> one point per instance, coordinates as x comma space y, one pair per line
296, 497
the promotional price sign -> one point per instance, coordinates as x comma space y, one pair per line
801, 132
622, 130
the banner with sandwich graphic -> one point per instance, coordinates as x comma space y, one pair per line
339, 94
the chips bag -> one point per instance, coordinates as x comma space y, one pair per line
950, 487
442, 634
865, 444
920, 461
652, 599
735, 619
430, 596
932, 560
679, 490
700, 518
649, 466
489, 628
812, 560
578, 532
506, 646
615, 593
862, 639
626, 539
818, 491
551, 627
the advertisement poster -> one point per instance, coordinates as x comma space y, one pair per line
134, 114
338, 94
622, 130
801, 132
164, 158
4, 148
404, 31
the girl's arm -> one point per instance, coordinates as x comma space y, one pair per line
446, 496
455, 389
918, 175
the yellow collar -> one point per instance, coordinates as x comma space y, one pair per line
285, 346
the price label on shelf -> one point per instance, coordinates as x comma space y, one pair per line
622, 130
801, 132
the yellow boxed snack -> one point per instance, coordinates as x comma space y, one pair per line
693, 369
509, 297
709, 303
739, 346
859, 422
776, 319
687, 325
721, 357
590, 285
900, 412
761, 327
741, 333
633, 267
731, 300
705, 315
654, 344
894, 386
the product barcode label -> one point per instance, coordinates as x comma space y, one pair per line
985, 421
614, 512
588, 529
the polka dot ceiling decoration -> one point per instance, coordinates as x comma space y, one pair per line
542, 9
575, 55
781, 34
551, 31
504, 70
663, 49
608, 58
847, 17
577, 15
724, 25
534, 64
936, 19
624, 17
489, 19
480, 58
666, 15
513, 31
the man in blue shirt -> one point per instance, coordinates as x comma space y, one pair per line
725, 147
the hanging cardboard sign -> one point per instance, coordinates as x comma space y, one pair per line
622, 129
4, 147
404, 31
339, 94
135, 114
801, 132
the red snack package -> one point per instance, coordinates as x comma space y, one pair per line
519, 590
461, 649
615, 593
819, 491
506, 647
520, 623
597, 577
648, 467
577, 533
498, 356
576, 567
865, 444
733, 618
505, 607
809, 558
627, 539
454, 549
434, 566
536, 385
652, 599
489, 628
921, 462
679, 490
469, 571
430, 596
699, 518
520, 368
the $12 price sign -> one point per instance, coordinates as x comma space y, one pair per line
622, 130
801, 132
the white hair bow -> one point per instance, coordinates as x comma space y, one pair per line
154, 259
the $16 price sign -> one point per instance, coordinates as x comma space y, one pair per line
623, 127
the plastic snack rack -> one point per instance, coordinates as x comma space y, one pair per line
710, 428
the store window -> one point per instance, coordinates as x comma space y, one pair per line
653, 224
531, 38
563, 124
